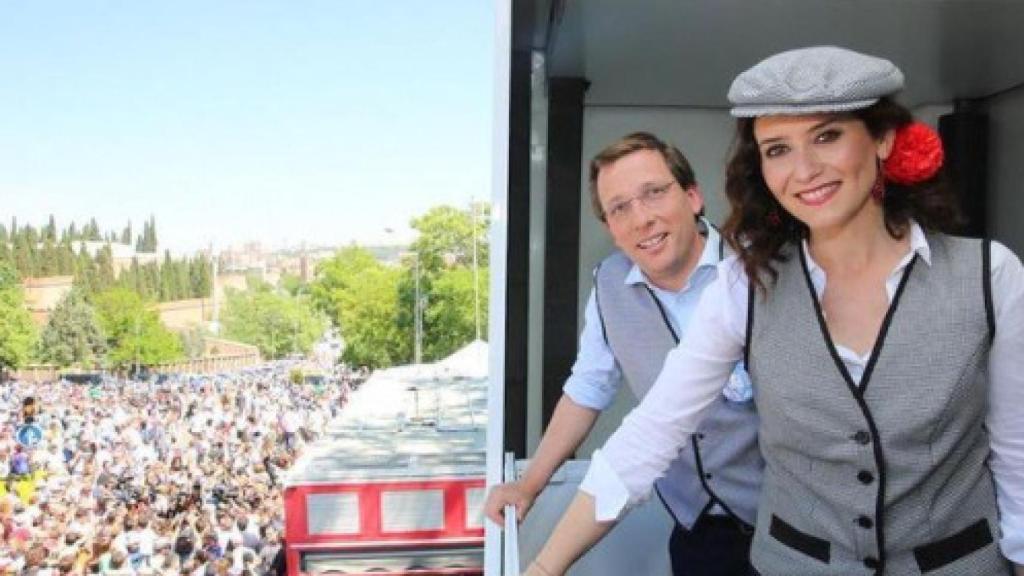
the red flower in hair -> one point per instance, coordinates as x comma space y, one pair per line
916, 155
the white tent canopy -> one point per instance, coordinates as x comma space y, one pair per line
469, 362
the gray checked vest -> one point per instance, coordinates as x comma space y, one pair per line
887, 476
724, 465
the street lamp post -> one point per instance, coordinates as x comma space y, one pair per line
417, 305
476, 276
417, 313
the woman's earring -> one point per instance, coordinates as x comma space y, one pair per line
878, 188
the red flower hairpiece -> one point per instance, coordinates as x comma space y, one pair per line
916, 155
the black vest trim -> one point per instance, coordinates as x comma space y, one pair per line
664, 314
744, 527
858, 391
675, 338
812, 546
597, 303
986, 283
701, 475
880, 339
948, 550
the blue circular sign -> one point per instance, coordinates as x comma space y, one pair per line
28, 435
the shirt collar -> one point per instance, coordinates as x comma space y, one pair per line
918, 245
708, 258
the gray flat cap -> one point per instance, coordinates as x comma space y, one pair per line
812, 80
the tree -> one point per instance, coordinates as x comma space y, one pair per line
293, 285
104, 268
277, 324
446, 237
134, 333
17, 333
336, 275
72, 335
360, 296
450, 320
147, 240
49, 261
65, 257
50, 230
368, 320
446, 249
85, 271
201, 277
91, 231
8, 276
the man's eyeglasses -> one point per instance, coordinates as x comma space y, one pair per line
650, 197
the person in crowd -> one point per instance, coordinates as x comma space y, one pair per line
126, 500
885, 353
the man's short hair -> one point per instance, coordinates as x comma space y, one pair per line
635, 142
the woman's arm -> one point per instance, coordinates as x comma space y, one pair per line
576, 532
640, 451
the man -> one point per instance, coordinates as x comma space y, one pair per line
645, 193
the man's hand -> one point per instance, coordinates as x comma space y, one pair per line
514, 493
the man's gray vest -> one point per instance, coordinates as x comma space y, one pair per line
887, 476
724, 465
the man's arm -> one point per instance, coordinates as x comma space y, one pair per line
592, 386
570, 424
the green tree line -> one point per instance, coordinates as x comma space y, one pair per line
109, 320
113, 329
48, 251
374, 306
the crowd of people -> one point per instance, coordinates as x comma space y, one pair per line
171, 476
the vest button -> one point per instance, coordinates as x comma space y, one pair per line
871, 563
707, 476
865, 522
861, 437
865, 477
700, 436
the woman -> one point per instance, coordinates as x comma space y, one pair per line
885, 354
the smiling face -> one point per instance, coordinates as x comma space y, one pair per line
821, 167
660, 237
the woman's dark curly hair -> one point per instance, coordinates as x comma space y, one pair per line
758, 238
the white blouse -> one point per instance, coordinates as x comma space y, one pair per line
623, 472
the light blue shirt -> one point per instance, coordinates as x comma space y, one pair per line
596, 375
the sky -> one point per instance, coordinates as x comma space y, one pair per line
282, 122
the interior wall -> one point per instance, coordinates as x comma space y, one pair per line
1005, 210
930, 114
704, 136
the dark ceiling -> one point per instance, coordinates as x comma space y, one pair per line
686, 52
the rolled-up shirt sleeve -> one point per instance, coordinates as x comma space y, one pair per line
1005, 421
596, 375
623, 472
